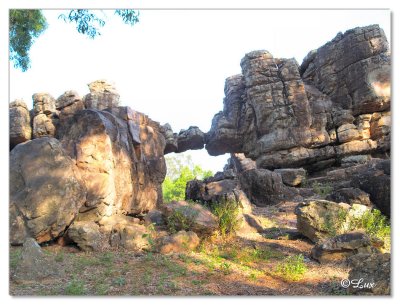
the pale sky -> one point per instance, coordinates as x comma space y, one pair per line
172, 65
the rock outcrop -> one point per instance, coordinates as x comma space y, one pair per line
336, 104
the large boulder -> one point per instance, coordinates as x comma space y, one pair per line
199, 219
86, 235
292, 176
350, 195
20, 126
45, 192
321, 219
180, 242
370, 274
264, 187
119, 154
337, 249
43, 103
133, 237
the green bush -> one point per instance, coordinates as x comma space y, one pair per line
227, 213
292, 268
322, 189
375, 224
181, 219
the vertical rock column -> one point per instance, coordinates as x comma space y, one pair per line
20, 123
45, 115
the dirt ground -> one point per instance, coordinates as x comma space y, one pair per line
234, 266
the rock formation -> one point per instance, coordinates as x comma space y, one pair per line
85, 168
336, 104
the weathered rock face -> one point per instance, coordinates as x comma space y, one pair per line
102, 95
340, 247
335, 105
264, 187
372, 268
120, 158
45, 190
353, 69
20, 127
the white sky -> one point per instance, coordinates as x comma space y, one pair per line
172, 64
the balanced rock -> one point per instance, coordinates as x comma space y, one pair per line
45, 192
102, 95
20, 126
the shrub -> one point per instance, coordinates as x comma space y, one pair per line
181, 219
375, 225
227, 212
292, 268
322, 189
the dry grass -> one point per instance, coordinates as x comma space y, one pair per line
234, 267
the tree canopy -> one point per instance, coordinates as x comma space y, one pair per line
27, 25
180, 170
